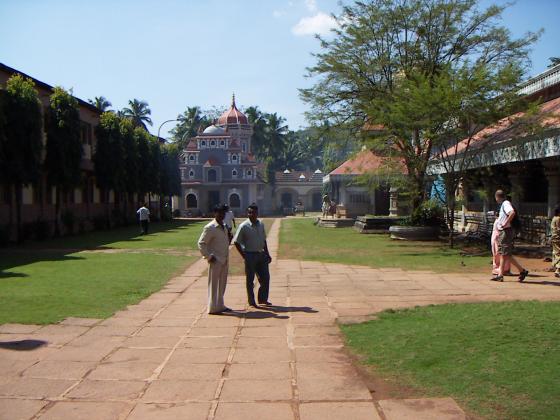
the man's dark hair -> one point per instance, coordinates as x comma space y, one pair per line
253, 207
219, 208
501, 194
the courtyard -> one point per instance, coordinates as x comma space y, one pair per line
162, 356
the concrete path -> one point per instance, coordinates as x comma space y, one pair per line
165, 358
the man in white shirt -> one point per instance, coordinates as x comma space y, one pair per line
506, 237
214, 247
144, 217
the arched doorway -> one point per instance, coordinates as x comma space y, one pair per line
192, 201
287, 200
212, 175
234, 201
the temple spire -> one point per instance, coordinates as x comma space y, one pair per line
233, 100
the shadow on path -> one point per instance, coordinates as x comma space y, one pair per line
22, 345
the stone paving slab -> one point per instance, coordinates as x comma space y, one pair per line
166, 358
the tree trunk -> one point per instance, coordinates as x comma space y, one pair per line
18, 199
57, 212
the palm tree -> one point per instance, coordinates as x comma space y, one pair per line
138, 112
275, 133
190, 121
258, 139
100, 102
554, 61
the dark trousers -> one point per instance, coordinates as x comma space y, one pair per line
144, 225
257, 263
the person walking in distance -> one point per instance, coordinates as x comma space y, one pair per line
250, 241
555, 240
144, 217
229, 221
214, 247
506, 236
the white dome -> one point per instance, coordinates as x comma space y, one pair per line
214, 131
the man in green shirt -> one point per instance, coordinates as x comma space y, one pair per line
250, 241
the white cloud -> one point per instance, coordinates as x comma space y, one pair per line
311, 5
320, 24
278, 13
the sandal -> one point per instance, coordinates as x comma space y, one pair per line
522, 275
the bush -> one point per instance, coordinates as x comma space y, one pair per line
68, 220
176, 213
429, 213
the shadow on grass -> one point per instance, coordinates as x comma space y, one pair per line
22, 345
57, 249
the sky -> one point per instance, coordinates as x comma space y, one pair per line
175, 54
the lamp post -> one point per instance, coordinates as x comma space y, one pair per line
161, 125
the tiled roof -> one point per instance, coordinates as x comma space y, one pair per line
296, 176
509, 128
364, 162
192, 145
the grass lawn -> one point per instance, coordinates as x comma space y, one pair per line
92, 275
300, 239
498, 360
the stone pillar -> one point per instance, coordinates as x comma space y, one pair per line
393, 202
517, 176
552, 173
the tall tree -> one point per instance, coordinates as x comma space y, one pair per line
101, 103
64, 146
146, 169
138, 112
21, 142
131, 160
275, 135
109, 158
383, 48
258, 139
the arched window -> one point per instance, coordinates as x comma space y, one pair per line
234, 173
192, 202
244, 147
212, 143
234, 157
234, 201
191, 158
191, 174
222, 143
203, 143
286, 199
249, 172
212, 176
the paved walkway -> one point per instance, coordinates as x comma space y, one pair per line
165, 358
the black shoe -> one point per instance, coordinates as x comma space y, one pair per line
497, 278
253, 304
265, 303
227, 309
522, 275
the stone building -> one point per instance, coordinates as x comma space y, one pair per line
293, 187
38, 201
526, 165
345, 185
218, 167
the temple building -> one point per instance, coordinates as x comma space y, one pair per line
218, 167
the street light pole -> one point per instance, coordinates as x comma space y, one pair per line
161, 125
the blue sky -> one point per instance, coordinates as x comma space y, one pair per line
175, 54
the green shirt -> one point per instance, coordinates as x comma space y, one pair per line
251, 236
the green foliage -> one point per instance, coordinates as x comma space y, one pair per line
101, 103
138, 112
21, 124
191, 121
64, 146
407, 66
429, 213
109, 153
